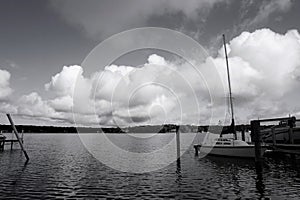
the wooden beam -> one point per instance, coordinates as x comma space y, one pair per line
17, 135
277, 119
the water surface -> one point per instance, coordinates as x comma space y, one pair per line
61, 167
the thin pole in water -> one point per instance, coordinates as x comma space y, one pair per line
178, 142
17, 135
178, 147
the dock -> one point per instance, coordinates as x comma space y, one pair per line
5, 141
281, 139
19, 139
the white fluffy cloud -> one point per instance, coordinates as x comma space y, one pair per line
265, 74
264, 68
5, 89
64, 82
33, 105
273, 56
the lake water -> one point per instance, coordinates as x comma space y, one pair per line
60, 166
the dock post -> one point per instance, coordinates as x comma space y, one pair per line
2, 143
291, 139
22, 136
255, 126
178, 142
273, 136
243, 132
17, 135
196, 150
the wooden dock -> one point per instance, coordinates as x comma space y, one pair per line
286, 147
287, 143
4, 142
18, 139
292, 149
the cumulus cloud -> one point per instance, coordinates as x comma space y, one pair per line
99, 18
62, 104
5, 89
265, 65
141, 95
33, 105
273, 55
265, 74
64, 82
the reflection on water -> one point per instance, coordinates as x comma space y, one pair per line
60, 167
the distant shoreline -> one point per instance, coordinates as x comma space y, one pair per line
167, 128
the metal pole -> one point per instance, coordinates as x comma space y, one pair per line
17, 135
229, 86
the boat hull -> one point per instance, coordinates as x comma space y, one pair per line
231, 151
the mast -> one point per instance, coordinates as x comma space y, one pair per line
230, 93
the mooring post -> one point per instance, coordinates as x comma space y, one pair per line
196, 147
273, 136
178, 142
2, 142
17, 135
255, 133
291, 139
22, 136
255, 130
243, 132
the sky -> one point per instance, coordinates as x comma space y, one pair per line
44, 46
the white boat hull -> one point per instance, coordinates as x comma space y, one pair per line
231, 151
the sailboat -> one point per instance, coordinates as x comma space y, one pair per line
231, 147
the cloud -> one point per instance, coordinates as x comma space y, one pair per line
104, 18
33, 105
144, 94
253, 16
5, 89
63, 83
264, 68
265, 76
274, 56
269, 7
62, 104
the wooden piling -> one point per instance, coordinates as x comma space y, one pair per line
243, 133
17, 135
291, 139
273, 136
196, 147
2, 143
178, 142
255, 130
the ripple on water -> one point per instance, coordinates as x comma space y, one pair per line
60, 167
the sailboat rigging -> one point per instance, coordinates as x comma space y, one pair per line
229, 146
232, 126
